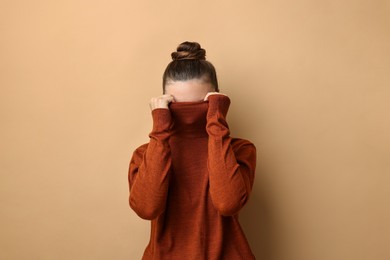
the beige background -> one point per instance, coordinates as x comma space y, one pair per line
309, 83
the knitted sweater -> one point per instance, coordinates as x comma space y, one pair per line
191, 180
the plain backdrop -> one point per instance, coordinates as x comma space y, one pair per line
309, 84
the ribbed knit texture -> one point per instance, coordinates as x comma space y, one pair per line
191, 180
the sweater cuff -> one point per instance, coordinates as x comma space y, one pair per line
218, 103
161, 120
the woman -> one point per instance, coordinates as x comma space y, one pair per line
192, 178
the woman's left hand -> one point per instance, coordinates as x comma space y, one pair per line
212, 93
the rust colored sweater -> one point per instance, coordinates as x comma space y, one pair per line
191, 180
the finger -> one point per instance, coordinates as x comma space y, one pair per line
209, 94
166, 96
170, 98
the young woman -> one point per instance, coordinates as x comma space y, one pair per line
192, 178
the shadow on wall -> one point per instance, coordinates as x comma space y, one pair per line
256, 221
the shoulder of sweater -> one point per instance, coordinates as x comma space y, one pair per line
238, 143
139, 151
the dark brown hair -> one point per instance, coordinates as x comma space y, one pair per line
189, 62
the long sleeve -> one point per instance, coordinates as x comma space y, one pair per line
231, 166
149, 169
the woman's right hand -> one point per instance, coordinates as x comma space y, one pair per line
160, 102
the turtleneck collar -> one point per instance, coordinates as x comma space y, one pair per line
189, 118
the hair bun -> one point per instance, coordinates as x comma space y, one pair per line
189, 51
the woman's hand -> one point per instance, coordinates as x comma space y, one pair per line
160, 102
212, 93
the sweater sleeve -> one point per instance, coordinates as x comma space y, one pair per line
231, 171
149, 169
